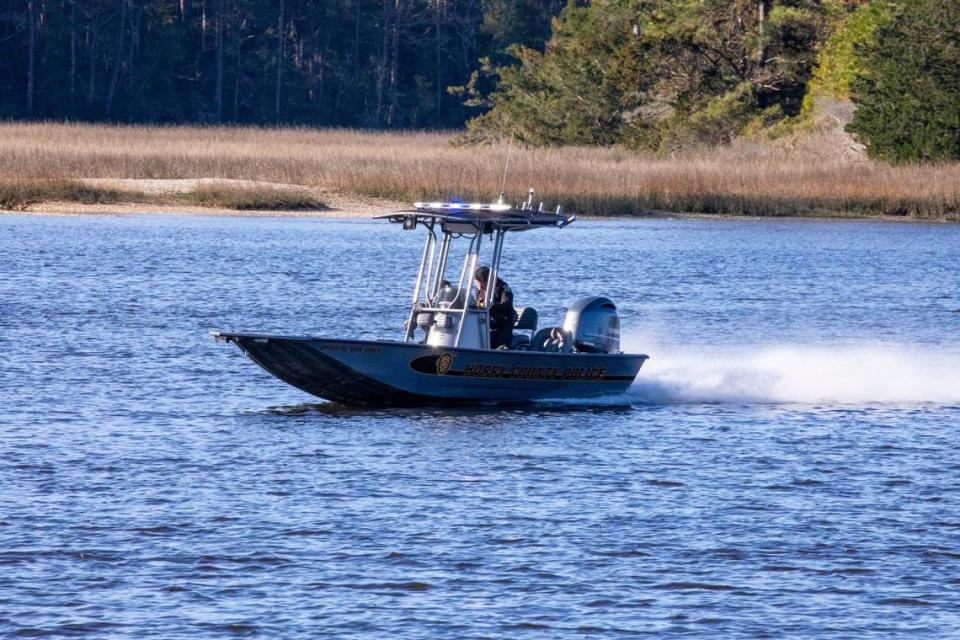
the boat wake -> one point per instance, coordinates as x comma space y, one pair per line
800, 374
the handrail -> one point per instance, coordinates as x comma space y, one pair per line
447, 310
473, 254
433, 247
433, 263
411, 327
441, 267
494, 271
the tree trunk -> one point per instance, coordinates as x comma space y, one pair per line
237, 38
384, 59
92, 51
73, 55
394, 64
133, 52
356, 42
763, 9
117, 61
31, 54
438, 25
236, 96
280, 54
218, 96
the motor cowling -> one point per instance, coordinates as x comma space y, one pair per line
594, 324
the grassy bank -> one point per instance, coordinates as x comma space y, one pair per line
747, 179
21, 194
249, 198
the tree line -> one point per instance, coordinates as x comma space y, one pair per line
365, 63
655, 74
666, 75
649, 74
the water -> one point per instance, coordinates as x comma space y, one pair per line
786, 466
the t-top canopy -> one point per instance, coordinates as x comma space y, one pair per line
481, 218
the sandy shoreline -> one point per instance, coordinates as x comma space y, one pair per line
365, 209
357, 209
339, 205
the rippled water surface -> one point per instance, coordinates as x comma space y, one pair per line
787, 464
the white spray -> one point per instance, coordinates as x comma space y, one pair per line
797, 373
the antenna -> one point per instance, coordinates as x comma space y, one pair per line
506, 167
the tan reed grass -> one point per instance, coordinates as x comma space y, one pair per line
745, 179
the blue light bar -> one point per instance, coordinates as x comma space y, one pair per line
460, 206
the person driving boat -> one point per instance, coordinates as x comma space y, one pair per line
502, 314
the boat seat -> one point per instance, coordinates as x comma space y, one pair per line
520, 342
526, 321
552, 340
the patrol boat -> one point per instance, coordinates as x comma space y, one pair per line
445, 355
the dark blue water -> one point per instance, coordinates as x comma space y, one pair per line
786, 466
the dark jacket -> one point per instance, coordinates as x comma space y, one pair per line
501, 307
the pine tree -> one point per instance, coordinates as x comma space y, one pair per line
908, 90
655, 74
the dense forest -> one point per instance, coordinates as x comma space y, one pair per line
366, 63
662, 75
647, 74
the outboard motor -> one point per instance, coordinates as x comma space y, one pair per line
594, 324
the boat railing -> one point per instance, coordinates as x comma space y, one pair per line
471, 221
450, 310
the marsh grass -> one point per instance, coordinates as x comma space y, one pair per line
19, 194
744, 179
22, 193
259, 198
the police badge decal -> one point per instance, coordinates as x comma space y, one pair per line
443, 363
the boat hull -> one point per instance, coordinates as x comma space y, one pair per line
363, 372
